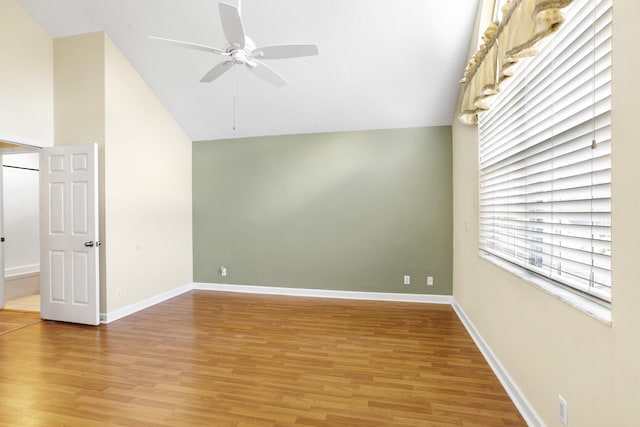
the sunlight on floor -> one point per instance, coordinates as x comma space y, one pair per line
28, 303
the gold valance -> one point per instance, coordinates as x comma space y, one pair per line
524, 23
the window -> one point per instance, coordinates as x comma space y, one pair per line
545, 158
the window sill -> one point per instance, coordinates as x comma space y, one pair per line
579, 302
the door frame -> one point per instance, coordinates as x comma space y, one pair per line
7, 147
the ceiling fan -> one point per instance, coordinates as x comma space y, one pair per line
242, 51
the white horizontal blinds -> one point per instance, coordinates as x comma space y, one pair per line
545, 198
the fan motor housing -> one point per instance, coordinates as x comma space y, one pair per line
241, 56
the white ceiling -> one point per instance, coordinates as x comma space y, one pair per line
382, 64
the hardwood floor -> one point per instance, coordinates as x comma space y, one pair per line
27, 303
11, 320
221, 359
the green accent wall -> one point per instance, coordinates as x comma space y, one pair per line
349, 211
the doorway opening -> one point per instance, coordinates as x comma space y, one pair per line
19, 227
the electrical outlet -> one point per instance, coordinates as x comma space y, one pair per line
118, 292
430, 281
223, 271
407, 280
563, 410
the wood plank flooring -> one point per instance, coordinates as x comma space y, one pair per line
26, 303
11, 320
221, 359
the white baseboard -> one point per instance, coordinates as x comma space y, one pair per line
526, 410
318, 293
323, 293
21, 285
21, 271
130, 309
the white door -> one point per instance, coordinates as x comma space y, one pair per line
69, 241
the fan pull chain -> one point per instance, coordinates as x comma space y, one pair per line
235, 74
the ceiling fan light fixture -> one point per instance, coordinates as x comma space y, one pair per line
243, 51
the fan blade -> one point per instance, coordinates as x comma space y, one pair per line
285, 51
232, 24
267, 73
217, 71
192, 45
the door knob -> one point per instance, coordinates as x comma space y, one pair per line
89, 244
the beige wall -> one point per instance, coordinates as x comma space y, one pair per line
79, 109
145, 169
26, 78
626, 204
148, 189
79, 105
548, 347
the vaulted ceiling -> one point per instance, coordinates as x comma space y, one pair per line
382, 64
